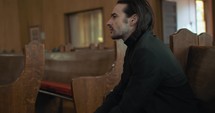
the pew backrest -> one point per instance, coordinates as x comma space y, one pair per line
61, 67
181, 41
8, 62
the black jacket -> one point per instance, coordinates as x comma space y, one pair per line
152, 81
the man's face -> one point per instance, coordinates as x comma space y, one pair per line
119, 24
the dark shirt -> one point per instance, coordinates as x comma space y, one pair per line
152, 81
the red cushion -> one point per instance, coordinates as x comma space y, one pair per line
55, 87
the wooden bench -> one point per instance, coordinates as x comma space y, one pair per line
62, 67
20, 79
196, 54
84, 77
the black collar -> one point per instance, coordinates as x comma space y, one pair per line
135, 36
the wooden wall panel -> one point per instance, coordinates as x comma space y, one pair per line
54, 18
19, 15
156, 7
107, 14
30, 14
53, 23
23, 20
9, 26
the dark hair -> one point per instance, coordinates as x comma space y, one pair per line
143, 10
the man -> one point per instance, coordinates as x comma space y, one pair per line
152, 81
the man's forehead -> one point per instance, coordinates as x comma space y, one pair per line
119, 8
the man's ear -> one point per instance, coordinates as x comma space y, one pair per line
134, 19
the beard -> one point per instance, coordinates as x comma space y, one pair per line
120, 31
116, 37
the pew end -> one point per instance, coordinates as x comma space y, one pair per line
19, 94
89, 92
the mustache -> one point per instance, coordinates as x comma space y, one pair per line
110, 27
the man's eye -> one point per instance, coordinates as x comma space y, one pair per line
114, 16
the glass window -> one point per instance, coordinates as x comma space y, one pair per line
200, 16
85, 28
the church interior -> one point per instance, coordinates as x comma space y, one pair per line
57, 56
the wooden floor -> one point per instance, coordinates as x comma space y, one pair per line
50, 104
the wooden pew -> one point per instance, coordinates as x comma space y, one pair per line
20, 79
83, 79
196, 55
62, 67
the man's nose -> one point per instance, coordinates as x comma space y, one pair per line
108, 23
